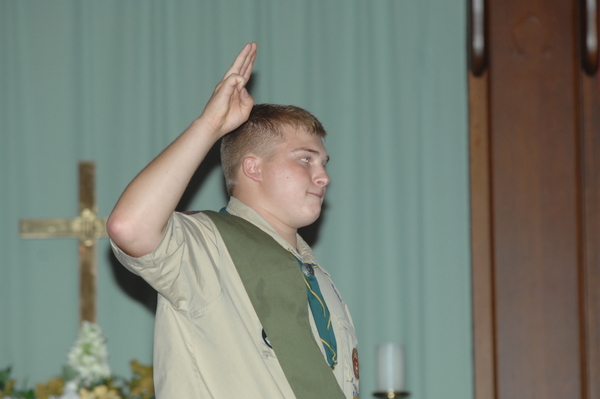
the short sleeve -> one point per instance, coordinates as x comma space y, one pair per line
184, 267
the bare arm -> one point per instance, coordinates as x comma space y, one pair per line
139, 218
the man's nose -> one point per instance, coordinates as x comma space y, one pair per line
322, 178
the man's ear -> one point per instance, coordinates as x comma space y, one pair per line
251, 168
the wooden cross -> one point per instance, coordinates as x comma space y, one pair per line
87, 227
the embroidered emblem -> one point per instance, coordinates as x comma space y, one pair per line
266, 339
355, 395
355, 363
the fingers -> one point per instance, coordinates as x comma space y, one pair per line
244, 62
231, 83
248, 65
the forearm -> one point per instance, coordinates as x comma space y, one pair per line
137, 222
140, 216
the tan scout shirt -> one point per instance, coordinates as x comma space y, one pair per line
208, 339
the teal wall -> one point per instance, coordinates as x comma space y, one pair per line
116, 81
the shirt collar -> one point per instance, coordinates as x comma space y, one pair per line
238, 208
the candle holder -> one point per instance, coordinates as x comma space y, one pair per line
390, 371
391, 395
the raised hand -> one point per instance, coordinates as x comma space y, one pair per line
230, 103
138, 220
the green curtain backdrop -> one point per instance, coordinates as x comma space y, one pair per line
116, 81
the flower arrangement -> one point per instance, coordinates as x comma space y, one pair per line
87, 375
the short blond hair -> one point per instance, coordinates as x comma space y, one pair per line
260, 134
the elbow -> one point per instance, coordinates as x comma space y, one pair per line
130, 236
118, 230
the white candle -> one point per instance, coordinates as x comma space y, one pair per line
390, 368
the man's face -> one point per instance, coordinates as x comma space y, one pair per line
294, 179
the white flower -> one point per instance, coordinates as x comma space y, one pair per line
88, 356
69, 392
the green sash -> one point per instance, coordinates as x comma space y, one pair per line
277, 290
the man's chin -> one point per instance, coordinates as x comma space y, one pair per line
309, 219
314, 218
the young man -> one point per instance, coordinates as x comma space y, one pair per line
244, 310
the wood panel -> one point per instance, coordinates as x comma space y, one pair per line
481, 239
535, 206
591, 227
535, 203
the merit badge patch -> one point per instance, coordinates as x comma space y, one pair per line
355, 363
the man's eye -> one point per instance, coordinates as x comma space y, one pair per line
305, 159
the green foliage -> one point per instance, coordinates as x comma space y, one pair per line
7, 387
140, 386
